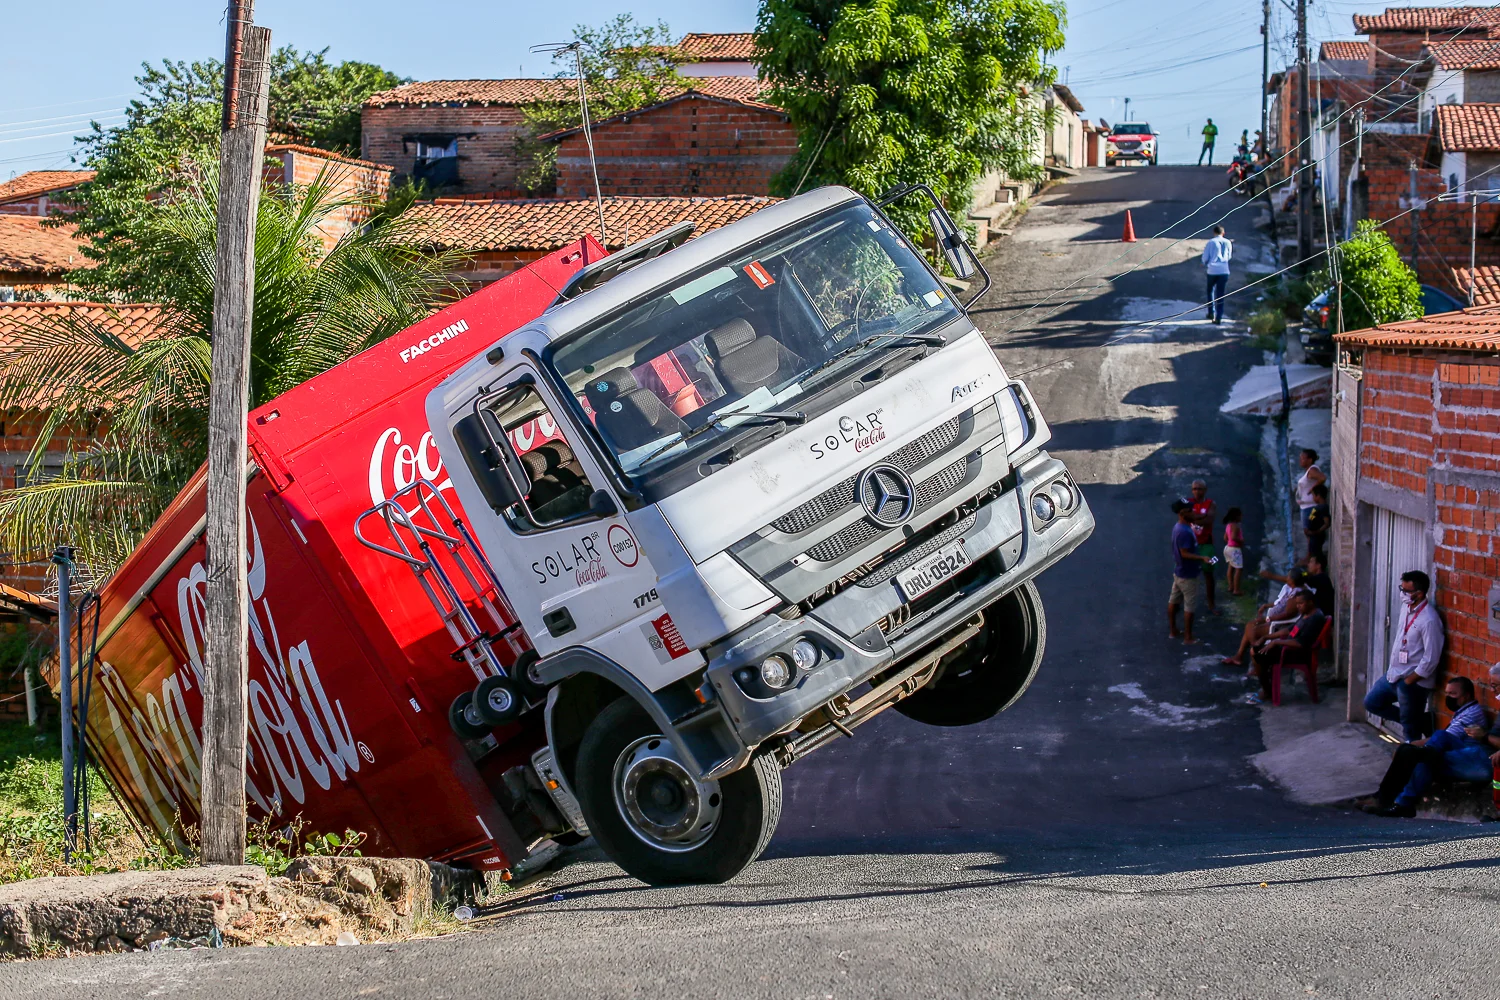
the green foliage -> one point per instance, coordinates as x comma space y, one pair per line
314, 307
885, 92
274, 848
1378, 286
625, 66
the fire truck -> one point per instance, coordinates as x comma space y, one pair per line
602, 548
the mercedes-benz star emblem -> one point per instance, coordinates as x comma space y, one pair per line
887, 494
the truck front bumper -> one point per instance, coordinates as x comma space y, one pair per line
1008, 546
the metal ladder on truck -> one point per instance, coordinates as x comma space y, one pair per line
425, 537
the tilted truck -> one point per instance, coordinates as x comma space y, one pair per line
604, 547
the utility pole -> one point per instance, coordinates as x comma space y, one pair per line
1304, 129
242, 149
63, 560
1265, 78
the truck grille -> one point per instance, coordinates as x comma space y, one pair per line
837, 499
929, 492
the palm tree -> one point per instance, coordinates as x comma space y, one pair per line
314, 307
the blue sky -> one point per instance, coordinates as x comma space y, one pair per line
1178, 60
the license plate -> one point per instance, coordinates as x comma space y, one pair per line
946, 562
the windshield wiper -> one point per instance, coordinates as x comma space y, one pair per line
928, 339
717, 420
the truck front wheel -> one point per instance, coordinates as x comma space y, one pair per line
654, 818
986, 677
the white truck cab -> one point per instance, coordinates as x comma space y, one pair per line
744, 493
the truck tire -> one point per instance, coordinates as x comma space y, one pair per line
654, 819
987, 676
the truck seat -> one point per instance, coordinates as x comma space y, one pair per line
745, 360
628, 415
558, 488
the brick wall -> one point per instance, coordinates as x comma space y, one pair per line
487, 158
42, 204
694, 146
1439, 232
1431, 428
18, 435
351, 181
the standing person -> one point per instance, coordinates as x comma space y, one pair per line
1402, 693
1316, 521
1187, 581
1210, 132
1234, 550
1202, 521
1311, 476
1216, 254
1244, 149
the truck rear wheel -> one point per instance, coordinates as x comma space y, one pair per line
658, 822
986, 677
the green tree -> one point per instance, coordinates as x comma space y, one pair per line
314, 307
625, 66
173, 128
1378, 287
885, 92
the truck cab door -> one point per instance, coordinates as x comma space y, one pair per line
569, 563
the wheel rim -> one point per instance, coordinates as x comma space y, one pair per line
471, 716
660, 800
499, 700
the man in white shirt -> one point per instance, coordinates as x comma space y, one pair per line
1410, 676
1216, 255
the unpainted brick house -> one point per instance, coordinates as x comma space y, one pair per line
715, 139
35, 192
34, 258
1416, 474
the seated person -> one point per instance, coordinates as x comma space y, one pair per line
1295, 645
1460, 752
1271, 617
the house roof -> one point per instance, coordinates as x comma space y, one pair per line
1473, 329
1427, 19
129, 321
701, 46
36, 182
1486, 284
472, 93
1062, 91
29, 247
740, 90
1468, 127
1345, 50
326, 154
546, 223
1468, 53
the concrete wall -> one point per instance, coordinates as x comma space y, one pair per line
1481, 87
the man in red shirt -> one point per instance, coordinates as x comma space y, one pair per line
1202, 520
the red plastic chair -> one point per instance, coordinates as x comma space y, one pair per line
1308, 670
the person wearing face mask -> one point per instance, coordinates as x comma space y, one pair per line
1417, 644
1459, 752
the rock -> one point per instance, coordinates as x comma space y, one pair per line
148, 939
359, 879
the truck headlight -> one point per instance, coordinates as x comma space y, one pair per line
1063, 494
1043, 507
775, 672
805, 655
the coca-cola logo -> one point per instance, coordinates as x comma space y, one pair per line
395, 464
859, 433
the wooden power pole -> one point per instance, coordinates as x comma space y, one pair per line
1306, 157
224, 716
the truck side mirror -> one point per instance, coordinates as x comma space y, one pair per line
486, 448
951, 242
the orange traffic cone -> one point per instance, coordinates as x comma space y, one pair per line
1129, 236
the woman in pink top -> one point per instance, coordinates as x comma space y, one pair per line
1234, 550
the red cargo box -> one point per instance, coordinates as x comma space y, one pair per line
351, 669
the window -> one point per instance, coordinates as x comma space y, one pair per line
436, 161
559, 490
435, 148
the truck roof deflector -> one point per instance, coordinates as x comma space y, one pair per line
599, 272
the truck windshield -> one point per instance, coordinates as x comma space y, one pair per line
741, 341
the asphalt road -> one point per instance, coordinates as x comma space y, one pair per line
1104, 838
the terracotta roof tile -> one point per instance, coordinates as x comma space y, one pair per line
1473, 329
1468, 53
473, 92
1486, 284
1451, 19
547, 224
326, 154
35, 182
28, 247
131, 322
1468, 127
699, 46
1345, 50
